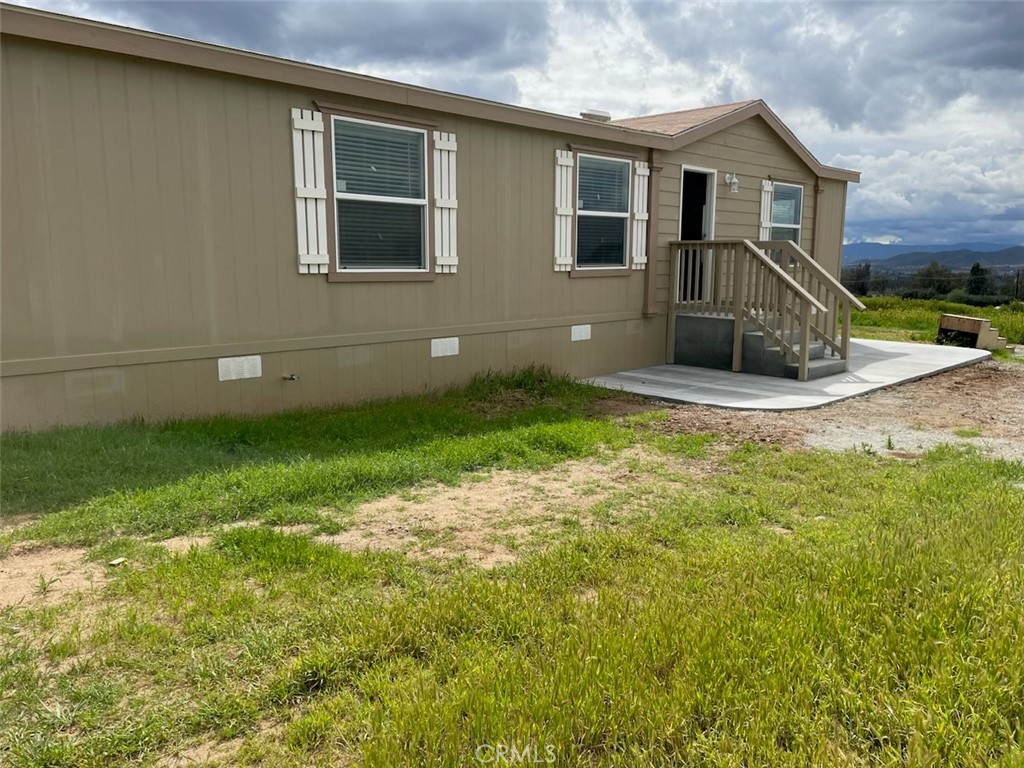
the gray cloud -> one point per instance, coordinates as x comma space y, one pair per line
453, 41
866, 64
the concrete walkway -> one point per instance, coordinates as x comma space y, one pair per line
873, 365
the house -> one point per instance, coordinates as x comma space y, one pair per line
189, 229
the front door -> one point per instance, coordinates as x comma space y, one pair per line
695, 223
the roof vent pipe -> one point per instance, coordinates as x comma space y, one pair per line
597, 115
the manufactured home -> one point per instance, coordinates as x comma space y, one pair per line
189, 229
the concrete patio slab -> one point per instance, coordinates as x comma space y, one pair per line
873, 365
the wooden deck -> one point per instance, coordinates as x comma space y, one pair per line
872, 365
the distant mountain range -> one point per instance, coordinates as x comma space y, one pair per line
961, 256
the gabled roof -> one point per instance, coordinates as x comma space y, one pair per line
671, 123
690, 125
662, 132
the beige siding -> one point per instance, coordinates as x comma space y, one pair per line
327, 376
754, 152
828, 249
149, 229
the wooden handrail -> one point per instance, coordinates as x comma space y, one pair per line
773, 285
754, 251
792, 284
808, 263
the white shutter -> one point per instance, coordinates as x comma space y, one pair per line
563, 210
446, 204
640, 213
310, 190
767, 193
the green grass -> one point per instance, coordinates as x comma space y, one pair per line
897, 319
790, 609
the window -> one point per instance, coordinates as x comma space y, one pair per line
380, 180
787, 208
602, 211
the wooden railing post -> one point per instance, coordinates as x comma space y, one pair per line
805, 339
845, 342
738, 295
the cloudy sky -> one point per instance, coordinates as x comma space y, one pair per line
925, 98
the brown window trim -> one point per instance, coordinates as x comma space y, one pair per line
335, 275
370, 114
624, 271
602, 272
587, 149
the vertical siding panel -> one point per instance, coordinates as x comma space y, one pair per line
483, 178
21, 226
134, 397
293, 289
151, 220
106, 385
49, 395
128, 323
241, 242
345, 361
195, 260
159, 390
64, 276
183, 387
488, 300
326, 362
263, 198
168, 189
20, 403
204, 374
393, 366
223, 304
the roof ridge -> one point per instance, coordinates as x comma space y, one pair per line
737, 104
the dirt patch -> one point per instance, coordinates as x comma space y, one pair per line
13, 521
619, 406
32, 575
202, 754
487, 520
732, 425
986, 400
181, 544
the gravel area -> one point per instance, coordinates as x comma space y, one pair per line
981, 405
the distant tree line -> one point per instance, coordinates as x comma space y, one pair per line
936, 281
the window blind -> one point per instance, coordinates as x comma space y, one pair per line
786, 205
378, 160
377, 235
603, 185
601, 241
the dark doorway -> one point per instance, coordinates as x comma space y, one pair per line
694, 224
693, 219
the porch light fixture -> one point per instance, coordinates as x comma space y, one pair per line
733, 181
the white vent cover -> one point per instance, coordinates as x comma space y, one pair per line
444, 347
580, 333
231, 368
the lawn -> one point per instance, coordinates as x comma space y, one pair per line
896, 319
713, 603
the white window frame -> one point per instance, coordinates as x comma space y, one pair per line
799, 214
424, 202
603, 214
